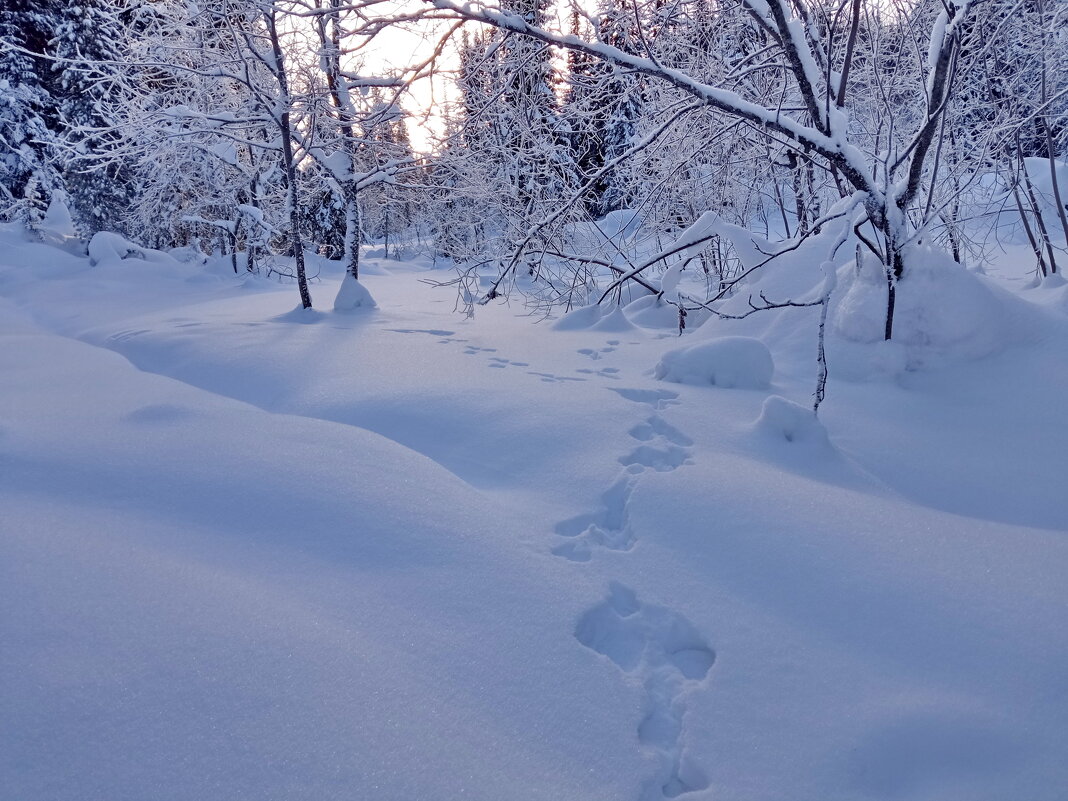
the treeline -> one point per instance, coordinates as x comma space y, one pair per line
252, 127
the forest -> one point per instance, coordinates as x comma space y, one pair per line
263, 128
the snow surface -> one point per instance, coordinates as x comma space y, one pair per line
401, 554
728, 362
352, 295
57, 223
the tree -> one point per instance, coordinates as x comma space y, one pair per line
29, 174
806, 46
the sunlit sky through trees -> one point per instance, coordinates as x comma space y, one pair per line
397, 47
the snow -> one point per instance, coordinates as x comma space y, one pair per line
247, 552
57, 222
944, 312
652, 311
782, 419
615, 321
352, 295
729, 362
107, 247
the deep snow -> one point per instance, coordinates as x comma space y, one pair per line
251, 552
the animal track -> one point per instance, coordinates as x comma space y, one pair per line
656, 426
122, 336
669, 654
497, 361
661, 460
604, 372
659, 399
607, 528
552, 378
596, 354
655, 644
434, 332
666, 447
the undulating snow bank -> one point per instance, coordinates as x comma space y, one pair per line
403, 554
729, 362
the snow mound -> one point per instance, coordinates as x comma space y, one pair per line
57, 222
783, 420
730, 362
373, 267
615, 320
595, 317
941, 308
651, 311
621, 224
579, 319
300, 315
108, 247
593, 238
353, 295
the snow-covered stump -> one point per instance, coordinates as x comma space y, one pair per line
783, 420
57, 224
352, 296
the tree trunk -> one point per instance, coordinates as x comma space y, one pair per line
288, 161
352, 231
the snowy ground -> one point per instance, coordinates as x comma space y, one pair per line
251, 553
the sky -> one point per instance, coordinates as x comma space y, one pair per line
397, 49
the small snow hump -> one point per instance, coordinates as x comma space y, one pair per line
353, 295
729, 362
595, 317
782, 419
614, 322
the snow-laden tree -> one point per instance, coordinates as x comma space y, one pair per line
29, 169
812, 49
508, 159
88, 49
603, 106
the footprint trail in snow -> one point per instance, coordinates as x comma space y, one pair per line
654, 644
661, 448
669, 656
609, 527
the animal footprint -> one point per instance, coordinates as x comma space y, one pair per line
591, 353
659, 399
670, 655
434, 332
656, 426
661, 460
666, 448
604, 372
607, 528
122, 336
551, 378
497, 361
471, 350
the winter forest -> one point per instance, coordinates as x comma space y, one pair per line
414, 400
